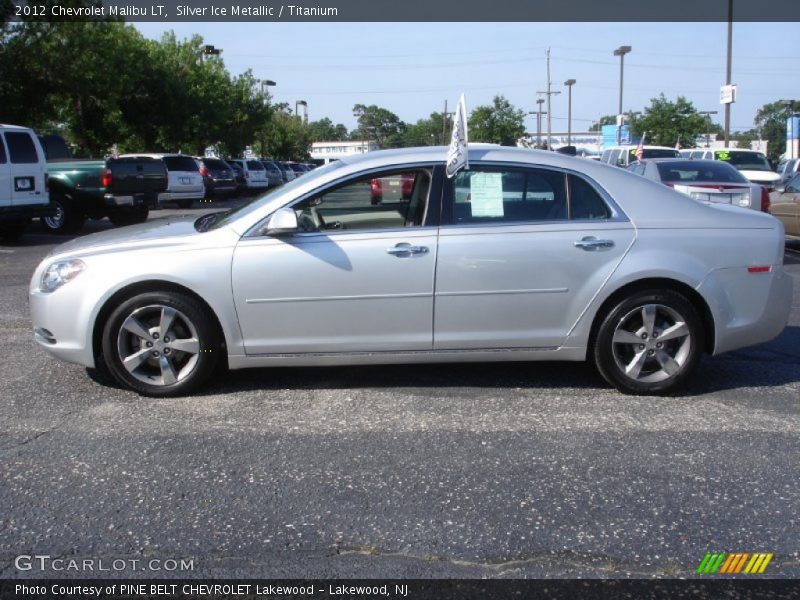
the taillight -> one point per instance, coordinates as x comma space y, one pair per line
764, 199
105, 180
204, 172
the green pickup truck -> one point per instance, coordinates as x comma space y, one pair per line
122, 189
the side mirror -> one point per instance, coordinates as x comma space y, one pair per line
283, 220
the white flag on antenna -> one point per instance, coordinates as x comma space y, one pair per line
457, 153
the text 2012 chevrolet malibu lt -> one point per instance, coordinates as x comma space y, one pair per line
522, 256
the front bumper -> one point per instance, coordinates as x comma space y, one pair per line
62, 323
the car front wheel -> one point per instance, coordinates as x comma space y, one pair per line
649, 343
161, 344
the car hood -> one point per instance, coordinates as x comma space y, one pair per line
166, 231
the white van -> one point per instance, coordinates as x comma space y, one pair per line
23, 180
622, 156
751, 163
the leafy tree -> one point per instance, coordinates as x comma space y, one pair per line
426, 132
378, 124
287, 136
324, 130
668, 122
500, 123
771, 121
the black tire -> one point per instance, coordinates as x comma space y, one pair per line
68, 218
131, 216
629, 351
11, 231
162, 369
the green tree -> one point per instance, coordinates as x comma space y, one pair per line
501, 123
377, 124
426, 132
668, 122
324, 130
770, 120
287, 137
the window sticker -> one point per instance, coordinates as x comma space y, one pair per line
486, 194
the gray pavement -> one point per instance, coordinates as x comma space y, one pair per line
515, 470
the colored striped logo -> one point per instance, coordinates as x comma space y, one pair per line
737, 562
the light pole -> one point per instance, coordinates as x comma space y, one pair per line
728, 73
539, 114
265, 83
208, 50
304, 104
707, 114
621, 52
569, 83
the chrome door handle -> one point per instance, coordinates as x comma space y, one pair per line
590, 243
406, 250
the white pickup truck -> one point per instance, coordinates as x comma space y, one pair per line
23, 181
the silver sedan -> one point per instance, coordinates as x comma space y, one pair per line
524, 256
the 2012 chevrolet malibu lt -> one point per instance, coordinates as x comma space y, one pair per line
523, 256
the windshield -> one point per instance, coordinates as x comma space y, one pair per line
699, 170
748, 161
224, 218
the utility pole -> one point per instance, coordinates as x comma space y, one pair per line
569, 83
728, 73
548, 93
539, 113
621, 52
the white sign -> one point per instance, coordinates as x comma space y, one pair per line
727, 94
486, 194
457, 156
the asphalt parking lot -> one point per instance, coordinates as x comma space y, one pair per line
516, 470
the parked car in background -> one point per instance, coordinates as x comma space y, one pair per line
753, 165
287, 174
396, 187
274, 173
705, 180
622, 156
238, 176
785, 205
787, 168
23, 181
525, 256
122, 189
298, 168
185, 183
218, 177
255, 175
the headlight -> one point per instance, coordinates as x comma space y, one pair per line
59, 273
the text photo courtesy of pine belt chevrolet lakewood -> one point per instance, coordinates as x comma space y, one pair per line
523, 256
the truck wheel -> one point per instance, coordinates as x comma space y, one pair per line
13, 230
132, 216
68, 218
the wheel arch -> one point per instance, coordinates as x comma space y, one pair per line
141, 287
660, 283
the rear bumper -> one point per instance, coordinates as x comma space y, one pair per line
147, 199
169, 196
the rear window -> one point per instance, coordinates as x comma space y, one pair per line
180, 163
693, 170
750, 161
255, 165
658, 153
21, 148
215, 163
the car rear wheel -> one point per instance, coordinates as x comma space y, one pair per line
161, 344
649, 343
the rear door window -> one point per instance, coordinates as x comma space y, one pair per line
21, 148
180, 163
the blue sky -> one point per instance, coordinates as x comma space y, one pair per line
411, 68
